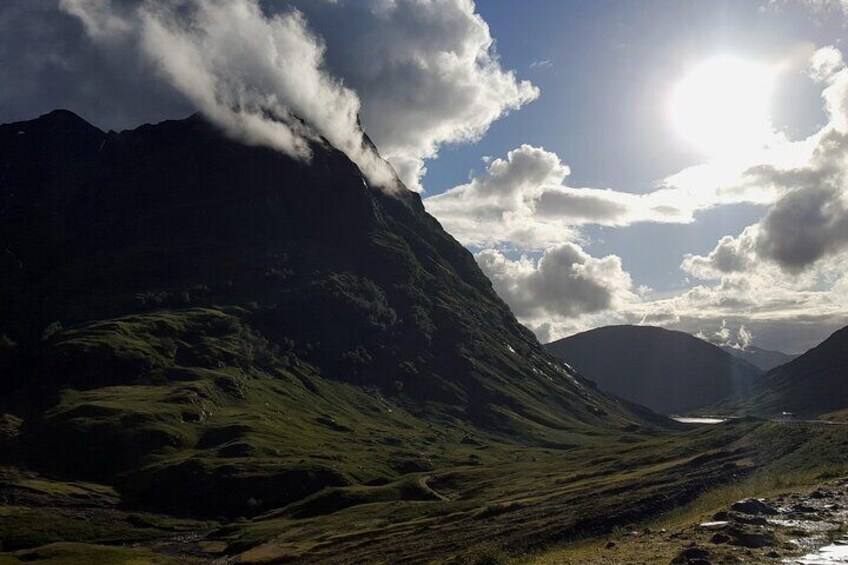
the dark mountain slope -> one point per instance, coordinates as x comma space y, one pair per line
671, 372
763, 359
813, 384
190, 316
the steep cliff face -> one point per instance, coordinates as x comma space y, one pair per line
179, 308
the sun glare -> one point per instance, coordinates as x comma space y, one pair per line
721, 106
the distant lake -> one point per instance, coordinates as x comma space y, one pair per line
695, 420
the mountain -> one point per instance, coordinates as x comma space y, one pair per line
217, 329
763, 359
809, 386
668, 371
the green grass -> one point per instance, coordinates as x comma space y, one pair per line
22, 527
87, 554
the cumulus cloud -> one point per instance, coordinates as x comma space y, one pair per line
427, 73
809, 221
253, 74
781, 313
786, 269
523, 201
725, 337
565, 282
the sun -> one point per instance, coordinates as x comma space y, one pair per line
721, 106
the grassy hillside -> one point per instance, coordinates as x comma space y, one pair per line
809, 386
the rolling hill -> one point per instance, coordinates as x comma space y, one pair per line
668, 371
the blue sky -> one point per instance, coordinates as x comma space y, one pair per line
606, 73
602, 107
602, 103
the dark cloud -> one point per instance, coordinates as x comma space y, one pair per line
803, 227
588, 207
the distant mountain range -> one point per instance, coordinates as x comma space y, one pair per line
761, 358
812, 385
668, 371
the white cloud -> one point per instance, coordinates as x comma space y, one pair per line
840, 6
419, 74
724, 336
426, 71
825, 63
542, 64
523, 201
783, 278
563, 284
252, 74
808, 223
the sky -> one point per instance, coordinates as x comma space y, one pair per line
675, 163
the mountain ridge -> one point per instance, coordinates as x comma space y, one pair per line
811, 385
168, 278
764, 359
668, 371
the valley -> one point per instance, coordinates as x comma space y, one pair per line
310, 369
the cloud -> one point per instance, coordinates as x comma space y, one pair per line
426, 71
825, 63
788, 268
524, 201
808, 223
730, 255
252, 74
420, 74
725, 337
564, 283
820, 6
541, 64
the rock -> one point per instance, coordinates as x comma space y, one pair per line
747, 519
820, 494
803, 508
609, 545
773, 555
719, 538
691, 555
752, 540
753, 506
720, 516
